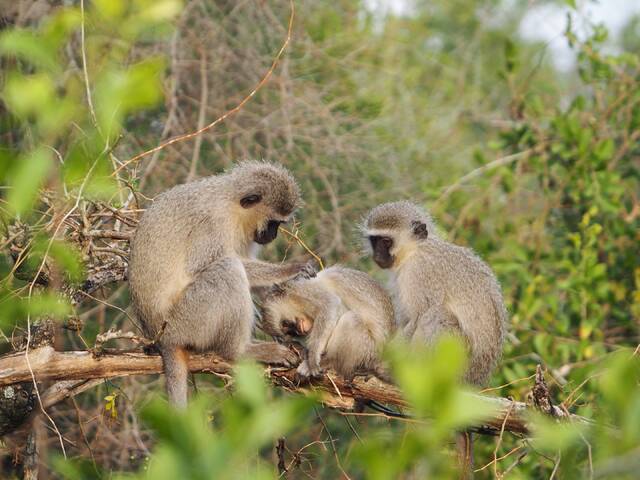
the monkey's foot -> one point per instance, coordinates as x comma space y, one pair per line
305, 371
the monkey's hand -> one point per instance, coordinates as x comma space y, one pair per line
305, 370
307, 270
273, 354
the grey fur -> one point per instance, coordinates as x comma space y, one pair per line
191, 268
441, 287
351, 315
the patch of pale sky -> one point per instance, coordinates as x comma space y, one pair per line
546, 22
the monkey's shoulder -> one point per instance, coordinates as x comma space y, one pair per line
186, 199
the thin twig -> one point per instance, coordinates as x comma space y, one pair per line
296, 237
204, 95
85, 72
480, 170
492, 462
84, 435
332, 441
499, 442
491, 389
556, 466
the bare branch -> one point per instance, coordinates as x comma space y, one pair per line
336, 392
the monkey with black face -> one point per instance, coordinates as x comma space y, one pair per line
438, 287
344, 315
191, 265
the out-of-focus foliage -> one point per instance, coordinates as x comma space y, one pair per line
544, 176
437, 397
216, 437
53, 139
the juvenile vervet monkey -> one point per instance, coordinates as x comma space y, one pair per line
191, 269
344, 315
438, 286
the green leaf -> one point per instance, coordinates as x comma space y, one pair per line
26, 178
29, 94
68, 259
110, 9
552, 436
604, 150
29, 46
47, 304
121, 91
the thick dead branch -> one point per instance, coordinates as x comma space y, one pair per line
80, 369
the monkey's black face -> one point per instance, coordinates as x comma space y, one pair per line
269, 233
289, 328
381, 247
298, 328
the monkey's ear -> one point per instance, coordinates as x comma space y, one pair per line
419, 229
250, 200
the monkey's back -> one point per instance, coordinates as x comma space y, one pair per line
174, 236
359, 292
468, 288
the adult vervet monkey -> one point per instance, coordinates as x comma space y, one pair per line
439, 287
191, 266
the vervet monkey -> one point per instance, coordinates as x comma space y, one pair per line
191, 269
437, 286
344, 315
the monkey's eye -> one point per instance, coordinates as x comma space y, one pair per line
250, 201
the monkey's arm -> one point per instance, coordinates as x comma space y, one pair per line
264, 274
324, 325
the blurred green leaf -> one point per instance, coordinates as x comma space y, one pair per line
26, 178
119, 92
29, 46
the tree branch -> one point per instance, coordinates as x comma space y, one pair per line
80, 370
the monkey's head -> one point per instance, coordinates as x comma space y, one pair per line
266, 195
280, 316
392, 229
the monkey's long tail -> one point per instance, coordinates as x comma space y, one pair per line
176, 370
378, 407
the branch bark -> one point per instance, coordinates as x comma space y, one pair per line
77, 371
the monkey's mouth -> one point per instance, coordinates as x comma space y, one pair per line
267, 235
384, 261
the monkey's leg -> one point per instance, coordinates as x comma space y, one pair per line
265, 274
176, 370
323, 326
350, 348
214, 312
